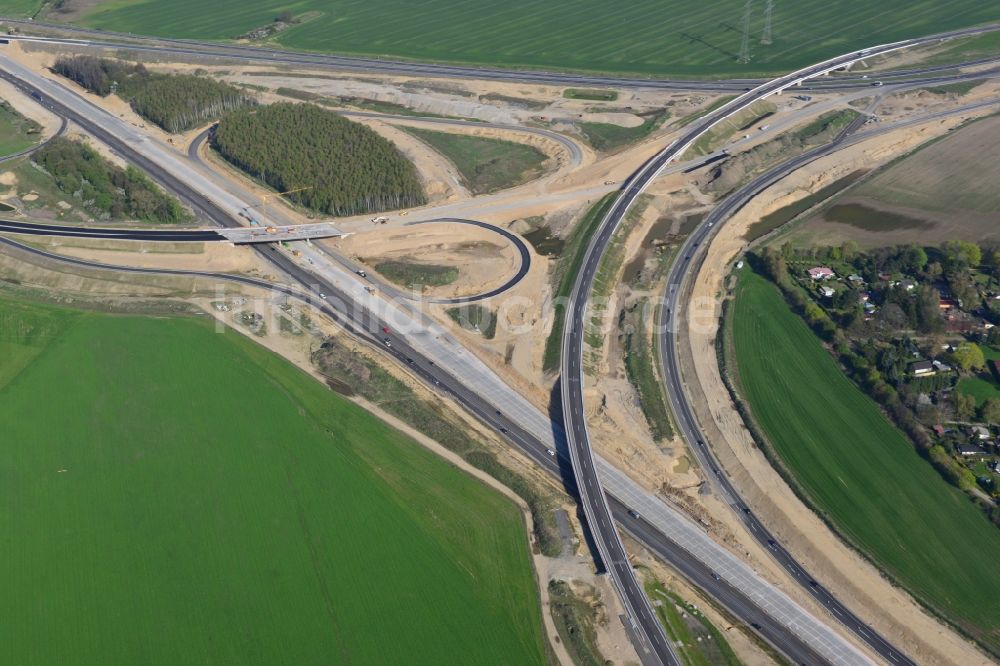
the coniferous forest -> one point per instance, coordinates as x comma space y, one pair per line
347, 168
175, 102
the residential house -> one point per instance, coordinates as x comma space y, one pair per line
827, 291
980, 432
971, 451
947, 303
941, 367
820, 273
922, 369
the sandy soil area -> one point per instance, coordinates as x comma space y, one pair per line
859, 584
484, 259
215, 257
439, 177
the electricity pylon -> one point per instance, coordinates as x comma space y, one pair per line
768, 10
745, 44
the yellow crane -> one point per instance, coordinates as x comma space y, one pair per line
263, 202
264, 197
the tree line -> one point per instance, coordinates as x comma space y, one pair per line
876, 351
346, 168
174, 102
105, 190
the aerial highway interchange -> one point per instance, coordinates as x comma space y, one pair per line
607, 496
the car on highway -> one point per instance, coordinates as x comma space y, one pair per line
361, 273
551, 452
385, 329
634, 513
387, 342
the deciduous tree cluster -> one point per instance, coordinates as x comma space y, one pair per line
104, 189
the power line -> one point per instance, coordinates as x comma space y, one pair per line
745, 44
768, 10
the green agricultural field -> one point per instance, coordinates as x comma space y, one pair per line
19, 8
181, 496
859, 470
655, 37
486, 165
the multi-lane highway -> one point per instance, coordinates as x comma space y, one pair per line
437, 358
98, 39
789, 628
578, 318
670, 318
670, 314
747, 608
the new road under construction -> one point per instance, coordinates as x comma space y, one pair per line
612, 502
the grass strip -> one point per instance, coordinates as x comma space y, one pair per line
353, 373
565, 273
640, 367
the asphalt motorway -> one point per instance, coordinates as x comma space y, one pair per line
174, 235
738, 604
592, 497
213, 212
90, 38
668, 321
340, 308
524, 255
